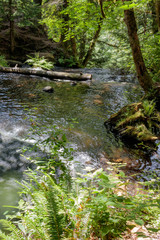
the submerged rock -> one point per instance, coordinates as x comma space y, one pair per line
48, 89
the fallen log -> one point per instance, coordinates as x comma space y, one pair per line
53, 75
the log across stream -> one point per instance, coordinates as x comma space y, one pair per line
53, 75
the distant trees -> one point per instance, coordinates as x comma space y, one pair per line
90, 29
76, 24
18, 12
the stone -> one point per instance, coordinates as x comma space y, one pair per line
48, 89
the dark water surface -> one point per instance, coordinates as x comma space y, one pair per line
80, 105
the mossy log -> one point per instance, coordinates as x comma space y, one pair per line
138, 124
53, 75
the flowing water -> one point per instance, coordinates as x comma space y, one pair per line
82, 105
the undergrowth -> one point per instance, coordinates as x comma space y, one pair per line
90, 205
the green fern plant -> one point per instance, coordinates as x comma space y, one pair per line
40, 62
3, 62
16, 233
148, 107
92, 207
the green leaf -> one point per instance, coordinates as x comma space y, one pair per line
139, 222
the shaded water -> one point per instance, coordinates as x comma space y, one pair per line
85, 107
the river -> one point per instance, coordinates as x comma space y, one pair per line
84, 106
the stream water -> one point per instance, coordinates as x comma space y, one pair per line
84, 106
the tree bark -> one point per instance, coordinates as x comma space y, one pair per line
69, 46
142, 73
154, 21
11, 21
92, 45
157, 7
50, 74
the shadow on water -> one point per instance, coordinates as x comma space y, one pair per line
78, 109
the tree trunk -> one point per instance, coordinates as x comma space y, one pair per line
82, 47
157, 7
11, 21
154, 21
50, 74
92, 44
69, 46
142, 73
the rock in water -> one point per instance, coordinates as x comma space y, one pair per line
48, 89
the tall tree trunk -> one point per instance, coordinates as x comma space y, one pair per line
82, 46
69, 46
92, 44
11, 22
142, 73
74, 48
157, 7
96, 36
154, 21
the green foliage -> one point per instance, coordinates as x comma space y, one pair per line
40, 62
148, 107
74, 24
70, 62
3, 62
95, 204
53, 141
25, 12
151, 52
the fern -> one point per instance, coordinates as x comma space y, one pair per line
38, 61
15, 234
3, 236
42, 214
55, 219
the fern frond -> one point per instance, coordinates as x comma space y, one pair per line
55, 219
16, 234
36, 229
3, 236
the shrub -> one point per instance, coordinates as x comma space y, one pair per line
3, 62
40, 62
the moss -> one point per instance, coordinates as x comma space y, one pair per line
139, 132
138, 123
137, 116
